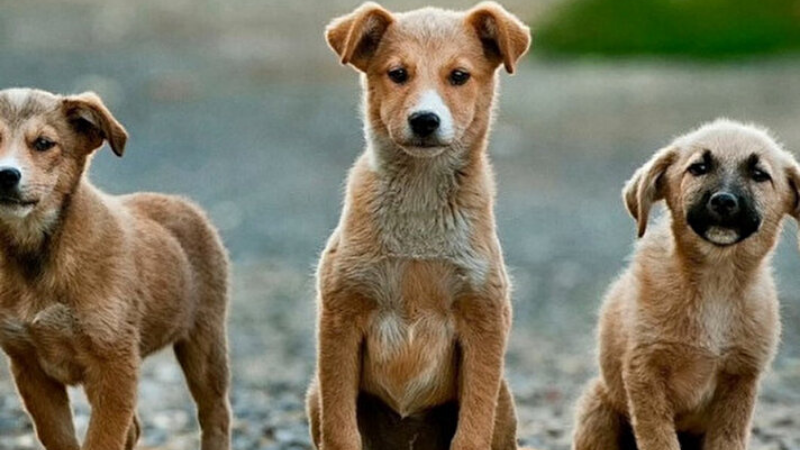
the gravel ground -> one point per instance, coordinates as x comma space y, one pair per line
272, 325
259, 124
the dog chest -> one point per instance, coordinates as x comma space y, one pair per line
739, 330
409, 358
728, 341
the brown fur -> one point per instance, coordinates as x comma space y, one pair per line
92, 283
414, 307
688, 329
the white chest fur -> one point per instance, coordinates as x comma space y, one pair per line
717, 319
410, 341
419, 216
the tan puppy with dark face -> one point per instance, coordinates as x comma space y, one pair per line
414, 307
688, 329
91, 283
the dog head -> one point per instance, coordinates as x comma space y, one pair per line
429, 74
45, 143
726, 184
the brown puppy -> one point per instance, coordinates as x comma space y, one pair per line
688, 329
414, 307
93, 283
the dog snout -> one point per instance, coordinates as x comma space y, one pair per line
9, 178
723, 204
423, 124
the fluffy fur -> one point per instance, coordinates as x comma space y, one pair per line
688, 329
90, 284
414, 307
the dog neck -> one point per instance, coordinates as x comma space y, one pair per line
699, 266
426, 207
35, 242
720, 271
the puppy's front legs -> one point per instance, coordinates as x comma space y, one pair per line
732, 412
652, 414
482, 329
45, 399
339, 364
111, 389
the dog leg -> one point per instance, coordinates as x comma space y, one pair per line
204, 359
44, 398
134, 433
732, 412
482, 337
505, 423
652, 416
313, 413
111, 390
598, 426
339, 367
47, 403
16, 339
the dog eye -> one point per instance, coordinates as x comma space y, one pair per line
459, 77
759, 176
399, 76
43, 144
698, 169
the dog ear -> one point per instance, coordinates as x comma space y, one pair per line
505, 38
356, 36
793, 176
646, 187
90, 117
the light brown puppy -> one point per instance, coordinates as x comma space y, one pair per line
414, 308
90, 283
688, 329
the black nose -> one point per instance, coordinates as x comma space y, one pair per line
723, 204
9, 178
423, 124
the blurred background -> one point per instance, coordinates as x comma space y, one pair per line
240, 105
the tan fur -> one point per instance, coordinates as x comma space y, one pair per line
93, 283
414, 304
688, 329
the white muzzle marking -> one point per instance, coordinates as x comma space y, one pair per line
430, 101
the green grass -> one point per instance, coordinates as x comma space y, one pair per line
712, 29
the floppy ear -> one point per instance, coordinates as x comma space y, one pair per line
90, 117
793, 175
356, 36
646, 187
505, 38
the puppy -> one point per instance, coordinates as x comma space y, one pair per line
90, 284
688, 329
413, 296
